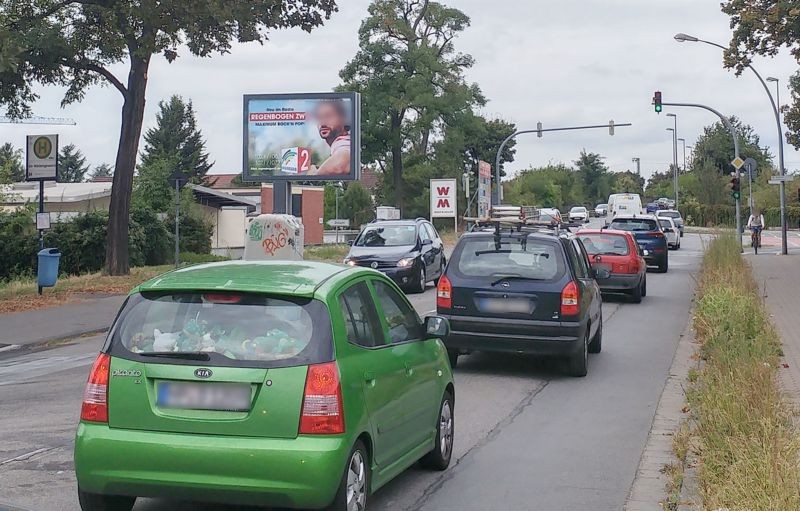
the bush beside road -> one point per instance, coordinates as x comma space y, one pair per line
746, 442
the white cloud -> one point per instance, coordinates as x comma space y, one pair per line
563, 63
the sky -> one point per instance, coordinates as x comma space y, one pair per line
562, 63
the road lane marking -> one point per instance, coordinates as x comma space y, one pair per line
28, 455
11, 369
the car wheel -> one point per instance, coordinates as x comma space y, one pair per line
679, 245
354, 487
96, 502
681, 234
597, 341
441, 272
636, 294
644, 285
422, 280
579, 361
439, 457
663, 266
453, 356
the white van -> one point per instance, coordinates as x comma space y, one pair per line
624, 204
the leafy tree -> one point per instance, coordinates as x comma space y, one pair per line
595, 177
762, 28
102, 170
151, 187
627, 182
176, 137
356, 204
11, 166
554, 186
412, 82
72, 166
75, 44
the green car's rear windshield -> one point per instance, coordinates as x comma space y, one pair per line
236, 329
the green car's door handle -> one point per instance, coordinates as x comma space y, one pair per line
369, 377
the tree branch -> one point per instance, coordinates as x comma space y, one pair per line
108, 75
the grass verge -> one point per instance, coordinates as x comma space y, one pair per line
747, 446
329, 253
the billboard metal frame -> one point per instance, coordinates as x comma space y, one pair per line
355, 137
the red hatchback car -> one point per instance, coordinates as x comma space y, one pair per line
617, 252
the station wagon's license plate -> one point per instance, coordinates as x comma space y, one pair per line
506, 305
231, 397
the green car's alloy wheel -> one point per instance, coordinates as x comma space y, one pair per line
352, 494
94, 502
439, 457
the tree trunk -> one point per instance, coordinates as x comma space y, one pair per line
117, 260
397, 162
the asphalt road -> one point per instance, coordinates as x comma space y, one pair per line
527, 437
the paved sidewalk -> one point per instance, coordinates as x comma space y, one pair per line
61, 322
778, 278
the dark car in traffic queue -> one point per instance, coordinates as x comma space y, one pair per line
618, 253
646, 229
410, 252
522, 292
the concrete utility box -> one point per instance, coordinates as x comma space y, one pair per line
274, 237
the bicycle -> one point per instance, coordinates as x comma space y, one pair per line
755, 238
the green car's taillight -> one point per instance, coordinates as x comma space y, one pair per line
323, 412
95, 396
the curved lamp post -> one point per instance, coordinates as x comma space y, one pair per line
681, 38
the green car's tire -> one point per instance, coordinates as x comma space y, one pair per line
439, 457
578, 363
354, 487
95, 502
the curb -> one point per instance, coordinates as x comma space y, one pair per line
648, 491
55, 341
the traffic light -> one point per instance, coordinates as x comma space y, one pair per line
657, 101
736, 188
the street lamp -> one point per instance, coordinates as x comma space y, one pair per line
782, 171
638, 163
683, 141
674, 130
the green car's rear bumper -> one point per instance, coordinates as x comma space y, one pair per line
303, 472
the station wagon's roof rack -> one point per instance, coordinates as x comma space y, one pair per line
515, 219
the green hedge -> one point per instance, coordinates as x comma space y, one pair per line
82, 241
723, 215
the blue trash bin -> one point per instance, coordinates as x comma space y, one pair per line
48, 267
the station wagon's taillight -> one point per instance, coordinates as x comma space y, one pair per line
95, 396
570, 300
444, 293
323, 413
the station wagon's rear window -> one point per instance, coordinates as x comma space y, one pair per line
228, 328
514, 256
604, 244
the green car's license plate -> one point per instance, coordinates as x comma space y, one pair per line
232, 397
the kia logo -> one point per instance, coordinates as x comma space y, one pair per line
203, 373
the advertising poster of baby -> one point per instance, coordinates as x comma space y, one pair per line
301, 137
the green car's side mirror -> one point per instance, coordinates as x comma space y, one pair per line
437, 326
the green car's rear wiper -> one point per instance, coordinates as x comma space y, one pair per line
186, 355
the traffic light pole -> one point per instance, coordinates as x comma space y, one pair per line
496, 198
735, 138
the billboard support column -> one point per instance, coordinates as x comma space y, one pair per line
282, 197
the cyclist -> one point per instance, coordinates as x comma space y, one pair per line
756, 224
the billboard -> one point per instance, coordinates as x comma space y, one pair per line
443, 198
302, 137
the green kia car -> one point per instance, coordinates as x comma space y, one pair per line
281, 384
